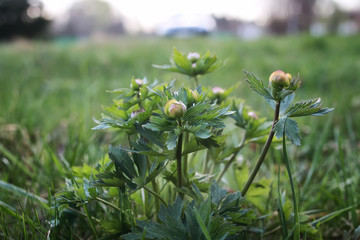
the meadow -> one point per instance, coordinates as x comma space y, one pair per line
51, 91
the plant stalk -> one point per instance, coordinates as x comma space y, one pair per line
185, 160
108, 203
178, 160
155, 194
196, 81
207, 159
232, 159
263, 152
156, 199
296, 207
92, 226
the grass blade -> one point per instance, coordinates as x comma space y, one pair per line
330, 216
202, 225
15, 160
22, 192
284, 228
296, 209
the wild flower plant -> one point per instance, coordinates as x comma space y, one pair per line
164, 183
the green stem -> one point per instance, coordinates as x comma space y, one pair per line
178, 160
185, 160
155, 194
207, 159
196, 81
156, 199
90, 221
296, 207
232, 159
83, 214
282, 217
263, 152
146, 204
108, 203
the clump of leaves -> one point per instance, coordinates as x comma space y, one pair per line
219, 216
161, 183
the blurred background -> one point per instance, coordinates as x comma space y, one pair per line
58, 58
244, 19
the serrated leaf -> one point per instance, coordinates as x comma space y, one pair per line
208, 142
257, 85
323, 111
202, 225
122, 161
203, 133
151, 136
292, 131
141, 164
217, 193
307, 108
160, 123
290, 127
172, 140
284, 104
89, 190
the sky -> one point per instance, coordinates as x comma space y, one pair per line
147, 14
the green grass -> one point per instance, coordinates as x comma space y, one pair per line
50, 91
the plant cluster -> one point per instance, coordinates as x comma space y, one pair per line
173, 178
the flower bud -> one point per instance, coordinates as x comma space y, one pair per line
252, 115
217, 91
136, 83
194, 95
193, 56
136, 113
289, 76
174, 109
279, 79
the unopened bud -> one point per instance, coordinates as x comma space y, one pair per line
279, 79
193, 56
136, 113
252, 115
194, 95
136, 83
289, 76
174, 109
217, 90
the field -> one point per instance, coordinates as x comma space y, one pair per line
51, 91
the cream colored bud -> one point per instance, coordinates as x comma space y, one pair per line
279, 79
136, 113
193, 56
174, 109
136, 83
217, 90
252, 115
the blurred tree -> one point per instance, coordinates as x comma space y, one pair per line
292, 15
88, 17
305, 13
21, 18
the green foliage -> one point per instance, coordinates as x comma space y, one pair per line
92, 194
219, 216
257, 85
129, 172
184, 64
285, 97
304, 108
